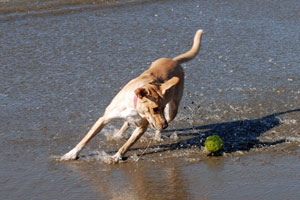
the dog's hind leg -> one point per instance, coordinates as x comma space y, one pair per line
123, 129
96, 128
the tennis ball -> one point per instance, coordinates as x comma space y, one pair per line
213, 144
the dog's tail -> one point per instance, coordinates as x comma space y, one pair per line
189, 55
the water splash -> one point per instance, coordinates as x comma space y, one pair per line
100, 156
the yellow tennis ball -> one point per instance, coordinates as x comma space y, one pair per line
213, 144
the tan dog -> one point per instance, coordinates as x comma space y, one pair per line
151, 98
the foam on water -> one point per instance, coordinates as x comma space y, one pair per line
289, 121
99, 156
174, 136
292, 139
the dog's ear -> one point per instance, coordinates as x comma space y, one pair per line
169, 84
141, 92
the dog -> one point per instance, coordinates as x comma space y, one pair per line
150, 99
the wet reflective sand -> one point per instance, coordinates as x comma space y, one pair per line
61, 65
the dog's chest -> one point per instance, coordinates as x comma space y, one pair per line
132, 116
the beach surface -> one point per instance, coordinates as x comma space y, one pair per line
61, 63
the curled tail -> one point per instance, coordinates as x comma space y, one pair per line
192, 52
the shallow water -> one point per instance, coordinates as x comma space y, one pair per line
61, 65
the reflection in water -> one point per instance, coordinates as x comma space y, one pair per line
134, 180
214, 164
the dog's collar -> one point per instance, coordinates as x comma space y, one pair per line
135, 100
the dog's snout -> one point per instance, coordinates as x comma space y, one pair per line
165, 125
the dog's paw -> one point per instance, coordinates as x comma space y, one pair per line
158, 137
71, 155
116, 158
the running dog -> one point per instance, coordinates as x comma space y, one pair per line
150, 99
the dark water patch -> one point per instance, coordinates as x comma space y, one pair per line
27, 6
242, 135
20, 9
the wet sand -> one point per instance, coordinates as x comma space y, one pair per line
60, 66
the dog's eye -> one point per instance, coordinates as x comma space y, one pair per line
156, 110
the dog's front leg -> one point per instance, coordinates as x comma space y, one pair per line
170, 113
138, 132
157, 137
96, 128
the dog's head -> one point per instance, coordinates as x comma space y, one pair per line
152, 102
